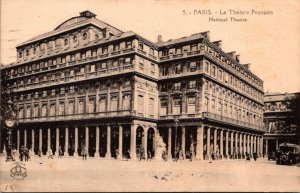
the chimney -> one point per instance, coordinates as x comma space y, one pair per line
247, 66
218, 44
159, 39
237, 58
206, 34
232, 54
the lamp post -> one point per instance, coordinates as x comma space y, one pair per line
176, 121
9, 126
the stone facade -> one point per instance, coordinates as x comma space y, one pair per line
90, 85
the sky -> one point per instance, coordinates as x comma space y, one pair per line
270, 42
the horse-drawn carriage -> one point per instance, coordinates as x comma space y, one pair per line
287, 154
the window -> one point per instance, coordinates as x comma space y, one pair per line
61, 108
72, 57
92, 106
141, 46
178, 50
21, 113
177, 86
84, 36
126, 102
176, 106
105, 50
114, 103
178, 68
163, 107
213, 105
83, 56
93, 68
165, 53
140, 104
71, 108
28, 112
44, 110
213, 71
152, 68
128, 44
74, 38
192, 84
220, 75
96, 37
115, 63
191, 104
94, 52
164, 70
102, 104
116, 47
80, 106
193, 66
52, 109
66, 41
151, 107
194, 47
127, 60
152, 51
141, 63
103, 65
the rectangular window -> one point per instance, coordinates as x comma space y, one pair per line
92, 106
151, 107
103, 65
128, 44
114, 103
177, 86
93, 68
194, 47
176, 106
178, 69
141, 46
191, 105
178, 50
126, 102
141, 104
115, 63
105, 50
165, 53
163, 107
141, 63
127, 60
44, 110
35, 111
220, 75
116, 47
71, 109
193, 66
152, 68
102, 104
80, 106
164, 70
213, 71
61, 109
52, 109
152, 51
192, 84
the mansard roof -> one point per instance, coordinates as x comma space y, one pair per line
83, 20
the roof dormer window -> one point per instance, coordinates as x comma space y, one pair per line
75, 39
84, 36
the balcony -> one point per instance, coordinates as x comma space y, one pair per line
85, 116
215, 117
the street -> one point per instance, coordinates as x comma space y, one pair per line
75, 174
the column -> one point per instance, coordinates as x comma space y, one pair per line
261, 145
57, 141
215, 140
120, 156
231, 143
245, 144
145, 142
226, 144
76, 142
18, 141
277, 146
251, 145
97, 141
254, 143
267, 147
25, 138
248, 148
236, 144
87, 140
257, 145
108, 154
40, 140
170, 144
221, 143
208, 142
183, 141
66, 153
241, 145
32, 141
132, 142
48, 141
199, 150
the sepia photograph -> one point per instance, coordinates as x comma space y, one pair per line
150, 96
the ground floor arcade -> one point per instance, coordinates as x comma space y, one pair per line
139, 139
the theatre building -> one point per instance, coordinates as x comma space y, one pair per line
87, 84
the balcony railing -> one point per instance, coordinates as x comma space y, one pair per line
216, 117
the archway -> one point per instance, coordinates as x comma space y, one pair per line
139, 142
151, 142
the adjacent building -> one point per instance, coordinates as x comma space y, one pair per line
89, 85
275, 116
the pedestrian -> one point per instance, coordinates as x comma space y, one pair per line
149, 155
247, 157
59, 152
84, 153
26, 154
14, 153
180, 155
192, 152
141, 153
254, 156
116, 153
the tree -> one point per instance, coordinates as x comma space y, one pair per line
7, 108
